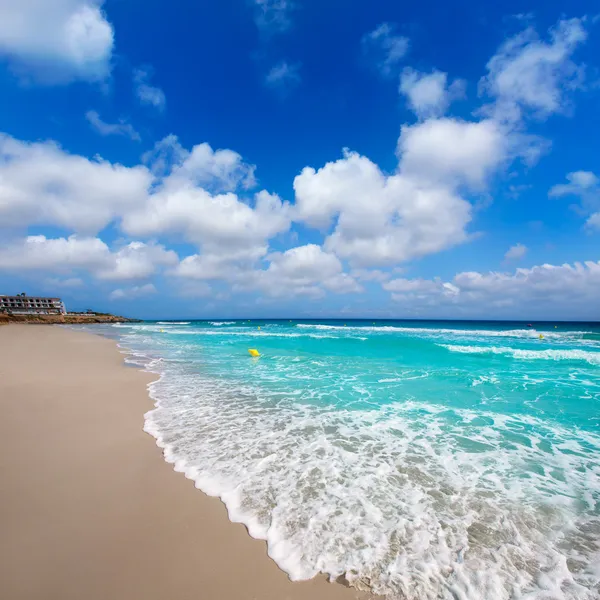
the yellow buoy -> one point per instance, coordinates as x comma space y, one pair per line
162, 330
259, 326
253, 352
541, 337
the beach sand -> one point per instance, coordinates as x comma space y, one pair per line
89, 510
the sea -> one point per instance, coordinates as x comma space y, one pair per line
419, 460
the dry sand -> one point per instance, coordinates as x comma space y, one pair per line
88, 508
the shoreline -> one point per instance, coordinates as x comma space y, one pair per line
90, 507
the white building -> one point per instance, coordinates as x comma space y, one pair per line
31, 305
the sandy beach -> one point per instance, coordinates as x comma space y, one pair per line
89, 508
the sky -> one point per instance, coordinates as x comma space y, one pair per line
302, 158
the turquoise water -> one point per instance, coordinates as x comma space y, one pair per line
423, 460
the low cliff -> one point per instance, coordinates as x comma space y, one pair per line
64, 319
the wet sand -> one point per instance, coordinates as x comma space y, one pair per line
89, 509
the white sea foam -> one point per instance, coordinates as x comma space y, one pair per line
220, 323
413, 500
173, 322
255, 333
410, 500
513, 333
592, 358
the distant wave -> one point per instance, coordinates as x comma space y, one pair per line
219, 323
514, 333
172, 322
259, 334
591, 357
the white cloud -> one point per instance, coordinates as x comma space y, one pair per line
516, 252
54, 255
221, 170
528, 73
580, 183
42, 184
302, 271
385, 48
133, 292
146, 93
585, 186
420, 288
273, 16
283, 76
103, 128
222, 266
546, 291
593, 221
135, 261
388, 219
215, 222
428, 94
56, 41
453, 150
422, 208
166, 155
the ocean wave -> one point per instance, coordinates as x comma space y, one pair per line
173, 322
513, 333
220, 323
254, 333
592, 358
407, 501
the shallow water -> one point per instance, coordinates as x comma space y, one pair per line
423, 460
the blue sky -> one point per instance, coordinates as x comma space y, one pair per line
269, 158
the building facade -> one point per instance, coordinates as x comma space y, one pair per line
31, 305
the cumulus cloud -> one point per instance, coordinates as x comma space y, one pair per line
103, 128
58, 41
219, 170
39, 253
304, 270
585, 186
385, 47
370, 217
148, 94
133, 292
567, 291
516, 252
301, 271
428, 94
529, 74
273, 16
425, 206
283, 76
214, 222
226, 265
453, 150
388, 219
134, 261
42, 184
